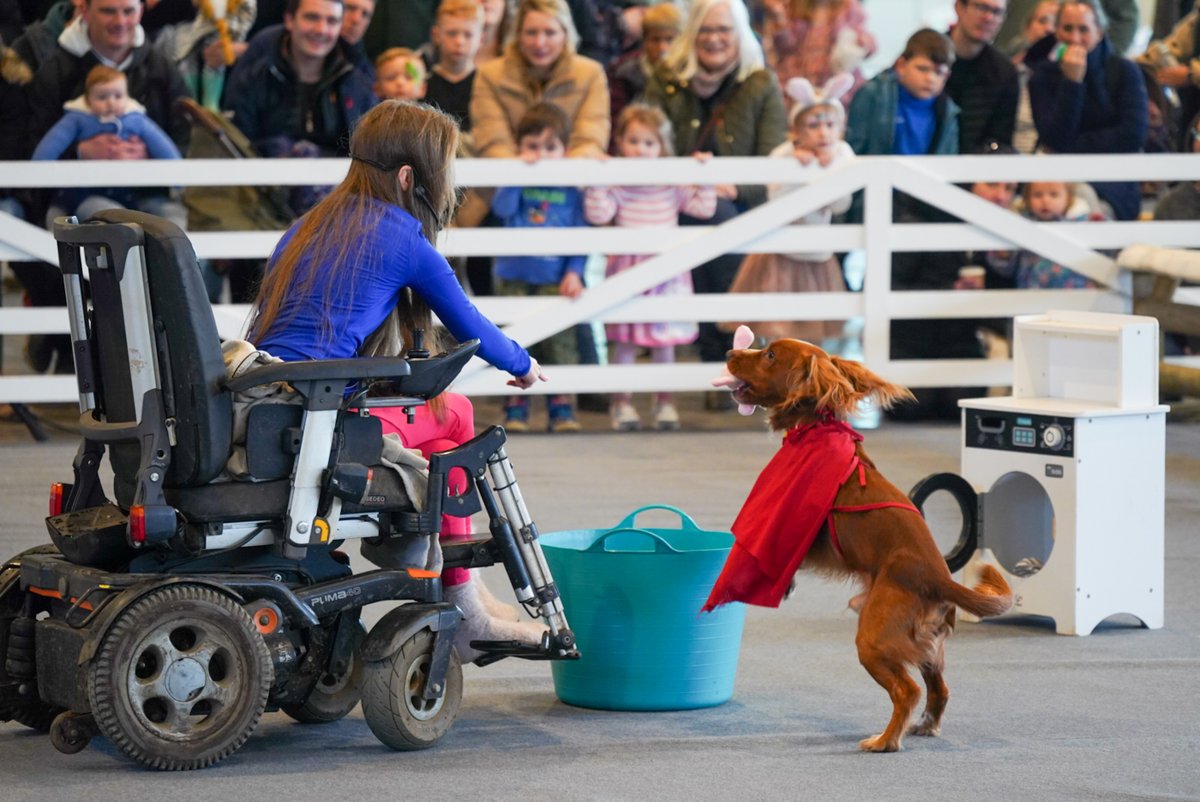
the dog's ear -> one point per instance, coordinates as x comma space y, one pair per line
868, 384
817, 381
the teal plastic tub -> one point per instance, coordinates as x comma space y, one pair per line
632, 596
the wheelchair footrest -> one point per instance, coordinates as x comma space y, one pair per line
561, 648
469, 554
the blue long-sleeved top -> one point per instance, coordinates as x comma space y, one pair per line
79, 124
539, 207
1104, 113
333, 321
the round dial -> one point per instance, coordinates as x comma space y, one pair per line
1053, 436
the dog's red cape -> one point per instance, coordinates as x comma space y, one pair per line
784, 512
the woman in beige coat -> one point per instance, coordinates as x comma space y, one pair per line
541, 66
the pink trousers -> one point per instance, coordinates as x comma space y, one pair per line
429, 433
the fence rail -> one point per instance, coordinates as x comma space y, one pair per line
764, 229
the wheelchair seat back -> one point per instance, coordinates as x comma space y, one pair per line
173, 316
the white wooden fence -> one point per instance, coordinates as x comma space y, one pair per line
764, 229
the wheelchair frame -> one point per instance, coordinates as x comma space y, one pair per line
170, 637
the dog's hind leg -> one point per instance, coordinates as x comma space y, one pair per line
937, 694
884, 648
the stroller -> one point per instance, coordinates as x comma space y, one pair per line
170, 616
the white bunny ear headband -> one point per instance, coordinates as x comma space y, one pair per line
806, 96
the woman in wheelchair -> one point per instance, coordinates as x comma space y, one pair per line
358, 273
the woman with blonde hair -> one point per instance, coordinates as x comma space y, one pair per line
540, 65
714, 87
358, 273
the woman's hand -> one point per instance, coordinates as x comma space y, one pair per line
727, 191
1074, 63
571, 285
702, 156
531, 378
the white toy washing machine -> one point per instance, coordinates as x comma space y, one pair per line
1069, 472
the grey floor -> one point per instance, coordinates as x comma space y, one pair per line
1033, 716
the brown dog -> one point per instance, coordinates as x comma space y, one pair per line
907, 604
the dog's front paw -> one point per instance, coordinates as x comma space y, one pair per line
927, 727
878, 744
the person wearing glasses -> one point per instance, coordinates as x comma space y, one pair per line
983, 82
1086, 98
715, 89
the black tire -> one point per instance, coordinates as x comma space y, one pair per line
334, 696
67, 736
391, 703
181, 679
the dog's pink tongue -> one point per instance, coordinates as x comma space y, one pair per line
742, 338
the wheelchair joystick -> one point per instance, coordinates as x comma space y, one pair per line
418, 350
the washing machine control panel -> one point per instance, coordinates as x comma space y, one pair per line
1019, 431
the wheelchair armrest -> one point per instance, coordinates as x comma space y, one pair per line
323, 381
322, 370
429, 376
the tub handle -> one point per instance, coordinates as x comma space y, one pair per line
685, 521
661, 546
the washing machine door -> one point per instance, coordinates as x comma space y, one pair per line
964, 496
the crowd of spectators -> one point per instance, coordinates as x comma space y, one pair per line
294, 76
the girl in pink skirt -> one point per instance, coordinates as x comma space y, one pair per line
818, 123
643, 132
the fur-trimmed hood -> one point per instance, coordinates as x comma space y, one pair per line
80, 105
74, 38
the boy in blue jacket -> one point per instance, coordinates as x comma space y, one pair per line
903, 111
541, 134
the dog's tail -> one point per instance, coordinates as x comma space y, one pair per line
991, 596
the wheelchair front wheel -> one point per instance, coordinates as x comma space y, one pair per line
393, 704
181, 679
334, 695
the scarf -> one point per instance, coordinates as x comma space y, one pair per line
704, 83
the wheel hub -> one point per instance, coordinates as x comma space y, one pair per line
185, 679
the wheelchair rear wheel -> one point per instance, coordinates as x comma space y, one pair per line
393, 704
181, 679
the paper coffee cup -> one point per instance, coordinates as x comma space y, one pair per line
972, 274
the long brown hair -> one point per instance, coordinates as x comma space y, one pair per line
327, 248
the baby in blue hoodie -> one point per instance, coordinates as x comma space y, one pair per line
104, 108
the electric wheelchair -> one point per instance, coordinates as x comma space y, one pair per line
170, 615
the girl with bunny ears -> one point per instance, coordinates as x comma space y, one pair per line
818, 123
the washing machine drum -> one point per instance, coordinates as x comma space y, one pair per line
964, 495
1015, 519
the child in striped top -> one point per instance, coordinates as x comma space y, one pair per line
644, 132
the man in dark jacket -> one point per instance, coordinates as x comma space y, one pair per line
1087, 99
983, 82
305, 90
